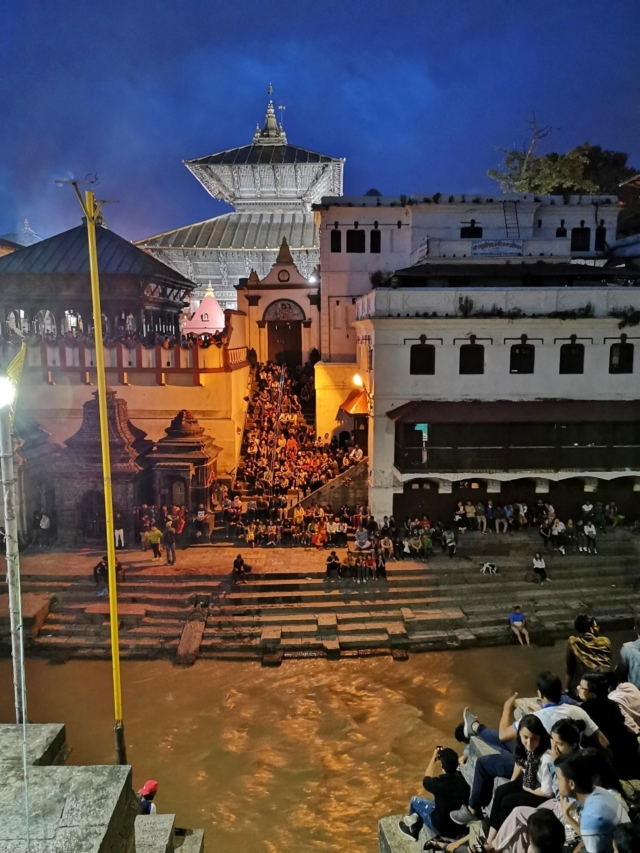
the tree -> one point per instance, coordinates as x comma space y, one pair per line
587, 169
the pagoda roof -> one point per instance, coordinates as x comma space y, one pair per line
262, 154
68, 254
26, 236
251, 230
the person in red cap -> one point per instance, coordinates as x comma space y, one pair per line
147, 793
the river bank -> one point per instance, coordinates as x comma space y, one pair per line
305, 757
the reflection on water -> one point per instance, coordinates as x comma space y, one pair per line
303, 757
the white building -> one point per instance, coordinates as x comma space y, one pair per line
490, 348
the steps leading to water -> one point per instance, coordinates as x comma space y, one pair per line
441, 604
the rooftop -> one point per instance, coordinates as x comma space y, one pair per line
242, 231
466, 199
68, 254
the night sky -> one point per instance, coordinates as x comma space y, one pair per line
418, 95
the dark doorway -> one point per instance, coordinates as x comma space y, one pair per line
361, 432
285, 342
92, 516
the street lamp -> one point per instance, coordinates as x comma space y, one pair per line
7, 398
359, 383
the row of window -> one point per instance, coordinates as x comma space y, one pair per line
356, 238
522, 359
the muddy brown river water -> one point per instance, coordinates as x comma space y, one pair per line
305, 757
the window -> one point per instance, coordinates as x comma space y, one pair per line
423, 360
621, 358
572, 358
376, 241
600, 244
356, 241
471, 359
471, 230
561, 231
336, 240
580, 238
522, 358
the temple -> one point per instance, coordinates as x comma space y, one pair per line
272, 187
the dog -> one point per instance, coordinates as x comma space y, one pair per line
488, 568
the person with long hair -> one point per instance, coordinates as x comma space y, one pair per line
512, 835
530, 783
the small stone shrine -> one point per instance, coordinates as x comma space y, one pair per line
79, 482
183, 464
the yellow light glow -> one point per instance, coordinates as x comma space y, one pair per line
357, 381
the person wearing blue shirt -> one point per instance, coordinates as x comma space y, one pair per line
601, 812
517, 623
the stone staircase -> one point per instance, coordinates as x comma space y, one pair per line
421, 607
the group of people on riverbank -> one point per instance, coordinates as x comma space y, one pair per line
282, 451
563, 771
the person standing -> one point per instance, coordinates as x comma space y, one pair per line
155, 538
119, 531
147, 793
45, 529
169, 542
481, 518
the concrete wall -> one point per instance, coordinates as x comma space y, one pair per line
334, 383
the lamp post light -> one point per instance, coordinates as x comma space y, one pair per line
7, 398
359, 383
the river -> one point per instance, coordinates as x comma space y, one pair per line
304, 757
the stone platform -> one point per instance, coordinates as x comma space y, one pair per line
288, 608
58, 809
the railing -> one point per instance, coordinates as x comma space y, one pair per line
122, 363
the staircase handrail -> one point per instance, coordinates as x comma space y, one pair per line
334, 481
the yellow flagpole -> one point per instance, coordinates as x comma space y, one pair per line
92, 211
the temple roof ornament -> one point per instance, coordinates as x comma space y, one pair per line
272, 132
284, 255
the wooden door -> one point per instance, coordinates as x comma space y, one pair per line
285, 342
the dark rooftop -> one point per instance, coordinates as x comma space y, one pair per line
68, 254
269, 154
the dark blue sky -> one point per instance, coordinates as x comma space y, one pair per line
418, 95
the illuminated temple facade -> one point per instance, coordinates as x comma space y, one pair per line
272, 186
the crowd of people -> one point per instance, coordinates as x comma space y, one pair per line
281, 449
506, 518
563, 772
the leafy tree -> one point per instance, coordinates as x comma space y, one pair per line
587, 169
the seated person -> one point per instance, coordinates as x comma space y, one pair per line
517, 623
555, 707
370, 563
387, 547
239, 569
362, 539
333, 564
450, 792
600, 813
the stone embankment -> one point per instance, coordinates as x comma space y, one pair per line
289, 609
64, 811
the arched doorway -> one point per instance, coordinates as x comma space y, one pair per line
284, 332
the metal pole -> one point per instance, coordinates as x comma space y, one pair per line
13, 563
92, 213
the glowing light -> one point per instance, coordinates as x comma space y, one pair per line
357, 381
7, 391
312, 279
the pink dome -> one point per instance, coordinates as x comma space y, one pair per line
209, 317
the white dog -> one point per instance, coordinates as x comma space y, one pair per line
488, 568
